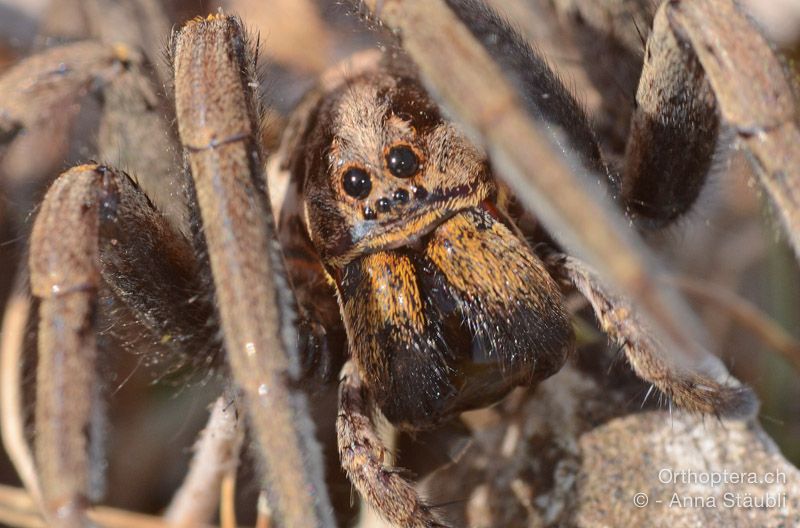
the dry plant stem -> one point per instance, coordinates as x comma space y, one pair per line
264, 512
216, 456
646, 355
362, 454
746, 313
753, 96
12, 419
457, 69
216, 113
18, 510
65, 277
227, 501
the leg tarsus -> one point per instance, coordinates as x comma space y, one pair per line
695, 384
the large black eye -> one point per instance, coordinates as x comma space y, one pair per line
356, 183
402, 161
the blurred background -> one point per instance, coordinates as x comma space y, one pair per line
728, 254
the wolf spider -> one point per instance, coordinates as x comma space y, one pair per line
406, 266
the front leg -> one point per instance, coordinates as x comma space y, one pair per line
96, 227
362, 454
217, 113
705, 62
696, 383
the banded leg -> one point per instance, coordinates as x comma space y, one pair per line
48, 96
362, 454
139, 24
43, 96
94, 227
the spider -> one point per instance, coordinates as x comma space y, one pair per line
417, 260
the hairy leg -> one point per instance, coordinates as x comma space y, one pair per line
218, 128
362, 455
673, 133
698, 384
58, 99
753, 94
96, 227
139, 24
42, 99
707, 66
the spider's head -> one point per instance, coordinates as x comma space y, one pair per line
383, 168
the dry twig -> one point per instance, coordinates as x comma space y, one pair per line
216, 457
747, 313
12, 420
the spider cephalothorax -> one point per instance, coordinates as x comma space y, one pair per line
446, 306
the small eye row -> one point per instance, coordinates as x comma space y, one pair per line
401, 161
399, 197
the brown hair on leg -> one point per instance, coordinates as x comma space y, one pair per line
362, 452
705, 388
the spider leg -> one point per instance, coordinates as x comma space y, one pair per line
597, 45
64, 276
750, 86
674, 126
315, 54
139, 24
217, 120
134, 134
41, 97
96, 227
673, 133
697, 384
51, 99
542, 92
362, 454
698, 74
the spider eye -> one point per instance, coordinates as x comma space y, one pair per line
402, 161
356, 183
